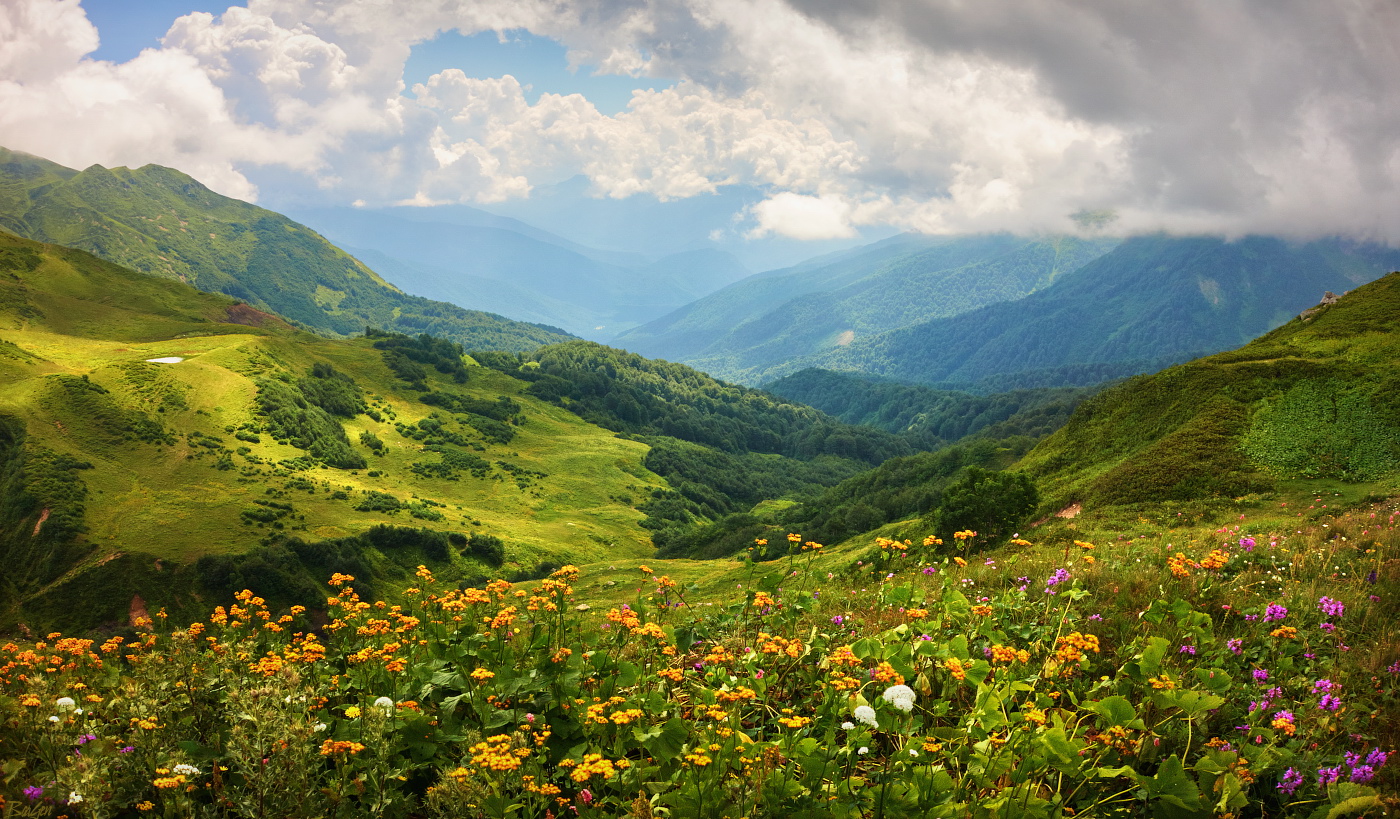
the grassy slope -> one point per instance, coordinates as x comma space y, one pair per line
159, 221
74, 315
1313, 398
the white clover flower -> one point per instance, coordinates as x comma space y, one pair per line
913, 752
847, 725
900, 696
54, 718
862, 750
74, 798
866, 715
319, 727
384, 704
186, 769
65, 704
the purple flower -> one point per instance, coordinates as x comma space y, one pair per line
1326, 776
128, 749
1234, 645
838, 619
1060, 576
1095, 617
1323, 686
1290, 782
1328, 627
1330, 607
33, 792
1376, 758
86, 738
1284, 715
1187, 650
929, 570
1275, 612
1260, 675
1247, 543
1328, 703
1362, 773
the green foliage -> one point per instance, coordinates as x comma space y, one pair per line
1327, 429
302, 413
91, 405
1314, 398
441, 354
993, 504
375, 501
895, 692
489, 549
942, 416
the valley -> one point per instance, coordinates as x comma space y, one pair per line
713, 588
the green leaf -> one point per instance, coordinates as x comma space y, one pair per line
1173, 785
1115, 710
663, 741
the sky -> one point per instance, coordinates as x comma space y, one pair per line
840, 116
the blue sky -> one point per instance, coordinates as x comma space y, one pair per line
127, 26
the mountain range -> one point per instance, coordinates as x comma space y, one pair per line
470, 257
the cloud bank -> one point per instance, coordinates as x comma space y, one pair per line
1225, 116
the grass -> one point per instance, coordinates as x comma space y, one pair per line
1058, 677
179, 501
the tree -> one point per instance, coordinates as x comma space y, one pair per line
992, 504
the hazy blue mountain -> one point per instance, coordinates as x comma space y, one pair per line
1153, 301
644, 224
478, 260
753, 329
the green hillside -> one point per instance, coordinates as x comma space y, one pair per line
121, 476
162, 222
1318, 398
1151, 302
753, 329
941, 416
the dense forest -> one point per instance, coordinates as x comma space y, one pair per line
942, 416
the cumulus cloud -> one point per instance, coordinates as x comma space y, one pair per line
937, 115
803, 217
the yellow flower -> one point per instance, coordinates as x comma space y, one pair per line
961, 563
482, 675
352, 712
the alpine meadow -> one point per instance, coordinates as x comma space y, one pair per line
682, 410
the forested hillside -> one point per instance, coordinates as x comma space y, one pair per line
1151, 302
723, 448
941, 416
161, 222
753, 328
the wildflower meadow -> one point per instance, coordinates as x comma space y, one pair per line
1224, 671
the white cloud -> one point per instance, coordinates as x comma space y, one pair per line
803, 217
938, 115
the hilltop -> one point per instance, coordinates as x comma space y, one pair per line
162, 222
1317, 398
